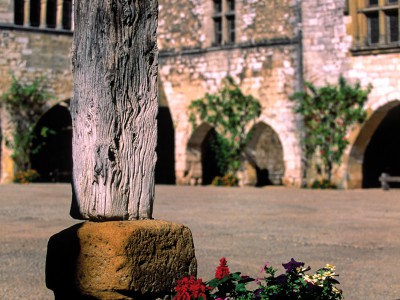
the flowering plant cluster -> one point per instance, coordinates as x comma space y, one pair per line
27, 176
328, 113
226, 180
231, 113
191, 288
293, 284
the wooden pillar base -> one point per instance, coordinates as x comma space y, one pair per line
119, 260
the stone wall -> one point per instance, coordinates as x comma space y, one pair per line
6, 7
189, 24
181, 24
30, 55
266, 20
326, 42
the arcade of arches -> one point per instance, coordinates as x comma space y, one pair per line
54, 159
263, 159
374, 151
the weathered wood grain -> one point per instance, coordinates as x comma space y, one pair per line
114, 109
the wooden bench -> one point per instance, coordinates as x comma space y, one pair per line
386, 178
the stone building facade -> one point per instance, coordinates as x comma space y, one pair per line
203, 42
35, 41
360, 40
268, 47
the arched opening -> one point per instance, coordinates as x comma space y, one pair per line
382, 152
165, 166
53, 161
201, 162
374, 150
264, 153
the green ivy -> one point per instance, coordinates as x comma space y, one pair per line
328, 112
25, 104
230, 112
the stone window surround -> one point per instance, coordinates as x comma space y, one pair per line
61, 21
223, 17
359, 11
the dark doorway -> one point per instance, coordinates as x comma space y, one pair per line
262, 177
265, 153
383, 151
165, 166
201, 162
53, 161
209, 165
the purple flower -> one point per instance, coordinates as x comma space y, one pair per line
312, 286
281, 279
292, 265
258, 293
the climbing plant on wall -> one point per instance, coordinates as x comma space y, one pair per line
25, 104
230, 112
328, 113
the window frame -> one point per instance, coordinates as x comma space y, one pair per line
44, 15
363, 34
223, 31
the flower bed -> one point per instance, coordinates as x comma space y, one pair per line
293, 284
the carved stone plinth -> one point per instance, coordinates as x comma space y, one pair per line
119, 260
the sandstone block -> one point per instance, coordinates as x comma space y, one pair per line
119, 260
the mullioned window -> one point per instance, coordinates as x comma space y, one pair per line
224, 22
375, 24
51, 14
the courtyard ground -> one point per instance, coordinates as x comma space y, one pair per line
356, 230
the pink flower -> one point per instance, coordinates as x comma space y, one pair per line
264, 267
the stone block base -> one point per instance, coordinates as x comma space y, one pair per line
119, 260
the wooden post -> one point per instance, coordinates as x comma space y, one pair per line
114, 109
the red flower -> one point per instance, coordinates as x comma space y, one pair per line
222, 270
189, 288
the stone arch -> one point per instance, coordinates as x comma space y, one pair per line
264, 159
201, 164
165, 166
53, 160
371, 133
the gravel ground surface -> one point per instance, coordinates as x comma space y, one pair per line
358, 231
